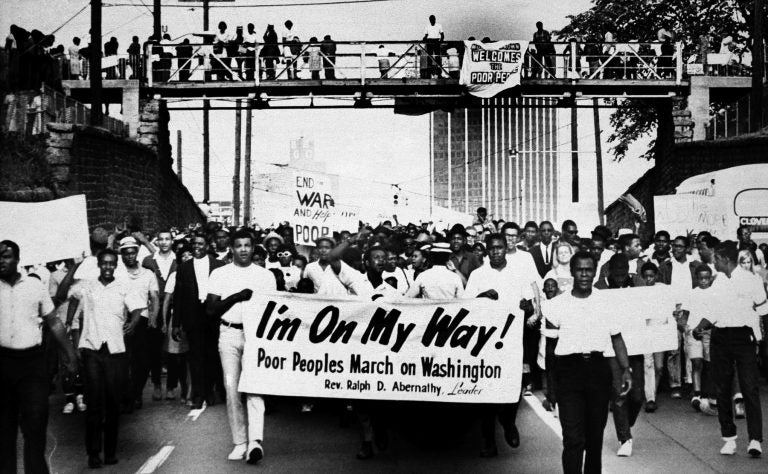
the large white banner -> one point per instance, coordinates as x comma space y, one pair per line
680, 214
46, 231
467, 351
646, 315
490, 68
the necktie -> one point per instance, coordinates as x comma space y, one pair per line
546, 255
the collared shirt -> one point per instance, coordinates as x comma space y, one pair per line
546, 251
230, 279
291, 275
437, 283
508, 283
22, 307
583, 325
328, 283
202, 272
403, 282
736, 301
104, 312
143, 282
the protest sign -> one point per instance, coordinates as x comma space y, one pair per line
490, 68
647, 321
47, 231
467, 351
680, 214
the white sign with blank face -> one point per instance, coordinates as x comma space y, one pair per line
46, 231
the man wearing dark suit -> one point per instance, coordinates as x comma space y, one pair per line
188, 303
543, 251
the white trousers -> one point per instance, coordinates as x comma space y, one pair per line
231, 342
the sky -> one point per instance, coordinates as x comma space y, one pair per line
370, 146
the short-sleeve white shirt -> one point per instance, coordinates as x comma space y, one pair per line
328, 283
143, 282
230, 279
437, 283
433, 31
508, 283
104, 312
583, 325
731, 301
22, 307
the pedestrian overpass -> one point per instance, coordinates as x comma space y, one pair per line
387, 74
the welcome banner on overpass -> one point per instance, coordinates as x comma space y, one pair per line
490, 68
467, 351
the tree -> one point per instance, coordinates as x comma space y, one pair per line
640, 20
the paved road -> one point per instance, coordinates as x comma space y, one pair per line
424, 438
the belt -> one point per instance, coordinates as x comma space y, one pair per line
232, 325
585, 356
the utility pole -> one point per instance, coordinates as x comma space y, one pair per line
236, 176
756, 101
599, 163
178, 154
206, 130
574, 155
247, 179
157, 29
206, 153
94, 49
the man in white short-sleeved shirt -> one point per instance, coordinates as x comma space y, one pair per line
587, 334
228, 289
438, 282
106, 301
329, 274
498, 281
24, 307
433, 36
735, 302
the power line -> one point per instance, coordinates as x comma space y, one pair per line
263, 5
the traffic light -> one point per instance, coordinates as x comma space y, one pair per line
395, 198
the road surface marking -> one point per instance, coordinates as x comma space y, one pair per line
156, 460
547, 417
195, 414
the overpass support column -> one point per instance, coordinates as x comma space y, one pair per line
698, 105
131, 110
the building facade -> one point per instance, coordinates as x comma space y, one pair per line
502, 156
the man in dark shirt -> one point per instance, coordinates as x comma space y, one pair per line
463, 259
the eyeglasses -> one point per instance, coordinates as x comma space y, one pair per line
283, 254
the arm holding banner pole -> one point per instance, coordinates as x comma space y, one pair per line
215, 307
623, 359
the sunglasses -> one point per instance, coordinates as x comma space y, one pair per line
283, 254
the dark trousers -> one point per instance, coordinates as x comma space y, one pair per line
730, 346
104, 377
506, 414
197, 370
434, 61
137, 348
626, 409
330, 71
583, 392
213, 369
23, 403
155, 355
177, 372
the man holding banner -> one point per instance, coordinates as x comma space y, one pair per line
498, 281
587, 335
230, 287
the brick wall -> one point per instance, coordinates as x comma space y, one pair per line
683, 161
119, 177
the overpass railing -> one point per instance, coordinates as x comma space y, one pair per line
734, 119
367, 61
